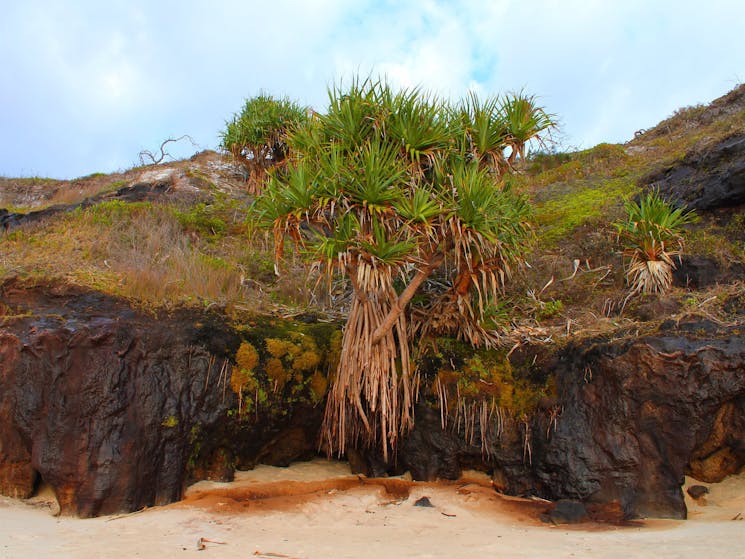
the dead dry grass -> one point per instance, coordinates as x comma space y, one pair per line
144, 252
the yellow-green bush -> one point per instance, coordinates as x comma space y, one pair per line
242, 377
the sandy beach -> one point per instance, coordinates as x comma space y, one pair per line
320, 510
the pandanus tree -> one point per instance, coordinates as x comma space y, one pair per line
258, 134
391, 190
524, 120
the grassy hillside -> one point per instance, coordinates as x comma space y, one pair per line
184, 239
577, 197
177, 234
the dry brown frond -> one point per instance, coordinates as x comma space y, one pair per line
650, 276
452, 314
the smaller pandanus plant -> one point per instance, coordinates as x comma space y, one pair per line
652, 237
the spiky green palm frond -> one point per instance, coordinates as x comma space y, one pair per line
418, 123
298, 191
353, 113
263, 124
306, 137
286, 205
331, 247
476, 194
483, 207
488, 230
482, 132
270, 206
420, 206
372, 177
391, 249
652, 223
260, 134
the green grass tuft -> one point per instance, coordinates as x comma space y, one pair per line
599, 201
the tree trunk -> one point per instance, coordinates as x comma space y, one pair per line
400, 304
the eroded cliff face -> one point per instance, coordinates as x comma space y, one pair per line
100, 401
713, 178
118, 409
636, 414
640, 413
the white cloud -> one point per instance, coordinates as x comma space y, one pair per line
92, 82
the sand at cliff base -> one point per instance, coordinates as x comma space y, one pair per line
320, 510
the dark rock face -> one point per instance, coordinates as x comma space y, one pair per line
11, 220
429, 452
697, 491
711, 179
370, 463
697, 272
566, 511
656, 307
292, 441
636, 413
723, 452
101, 407
423, 502
137, 192
116, 409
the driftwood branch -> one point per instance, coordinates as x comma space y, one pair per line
202, 541
143, 509
148, 158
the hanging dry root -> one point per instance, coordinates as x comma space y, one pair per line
527, 439
481, 421
553, 420
372, 399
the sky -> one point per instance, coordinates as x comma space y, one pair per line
85, 86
